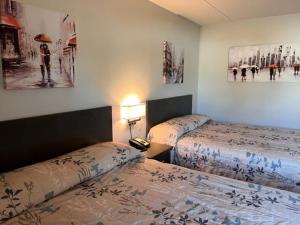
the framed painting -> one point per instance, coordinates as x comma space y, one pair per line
264, 63
173, 65
38, 47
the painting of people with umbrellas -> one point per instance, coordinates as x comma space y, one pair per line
264, 63
38, 47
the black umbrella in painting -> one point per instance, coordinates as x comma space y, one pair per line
43, 38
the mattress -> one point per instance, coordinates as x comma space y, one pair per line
150, 192
266, 156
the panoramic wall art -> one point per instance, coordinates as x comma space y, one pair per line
264, 63
173, 67
38, 47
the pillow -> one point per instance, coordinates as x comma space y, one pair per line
23, 188
170, 131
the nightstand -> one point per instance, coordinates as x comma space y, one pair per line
159, 152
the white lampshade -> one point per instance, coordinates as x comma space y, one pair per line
130, 112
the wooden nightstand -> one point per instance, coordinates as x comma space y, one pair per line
159, 152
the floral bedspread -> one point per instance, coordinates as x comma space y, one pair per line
260, 155
152, 193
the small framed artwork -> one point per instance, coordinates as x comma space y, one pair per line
264, 63
173, 65
38, 47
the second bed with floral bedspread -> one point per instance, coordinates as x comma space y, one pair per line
266, 156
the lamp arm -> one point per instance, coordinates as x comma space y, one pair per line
131, 123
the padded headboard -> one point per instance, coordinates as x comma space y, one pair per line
31, 140
161, 110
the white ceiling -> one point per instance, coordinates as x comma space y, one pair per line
215, 11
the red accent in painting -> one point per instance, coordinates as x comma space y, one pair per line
9, 21
73, 41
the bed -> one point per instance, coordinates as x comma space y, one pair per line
104, 182
111, 183
261, 155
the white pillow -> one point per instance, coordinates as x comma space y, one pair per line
23, 188
170, 131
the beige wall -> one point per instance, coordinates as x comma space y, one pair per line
273, 104
119, 53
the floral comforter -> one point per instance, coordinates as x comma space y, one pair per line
260, 155
149, 192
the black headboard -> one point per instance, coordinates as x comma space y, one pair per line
31, 140
160, 110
